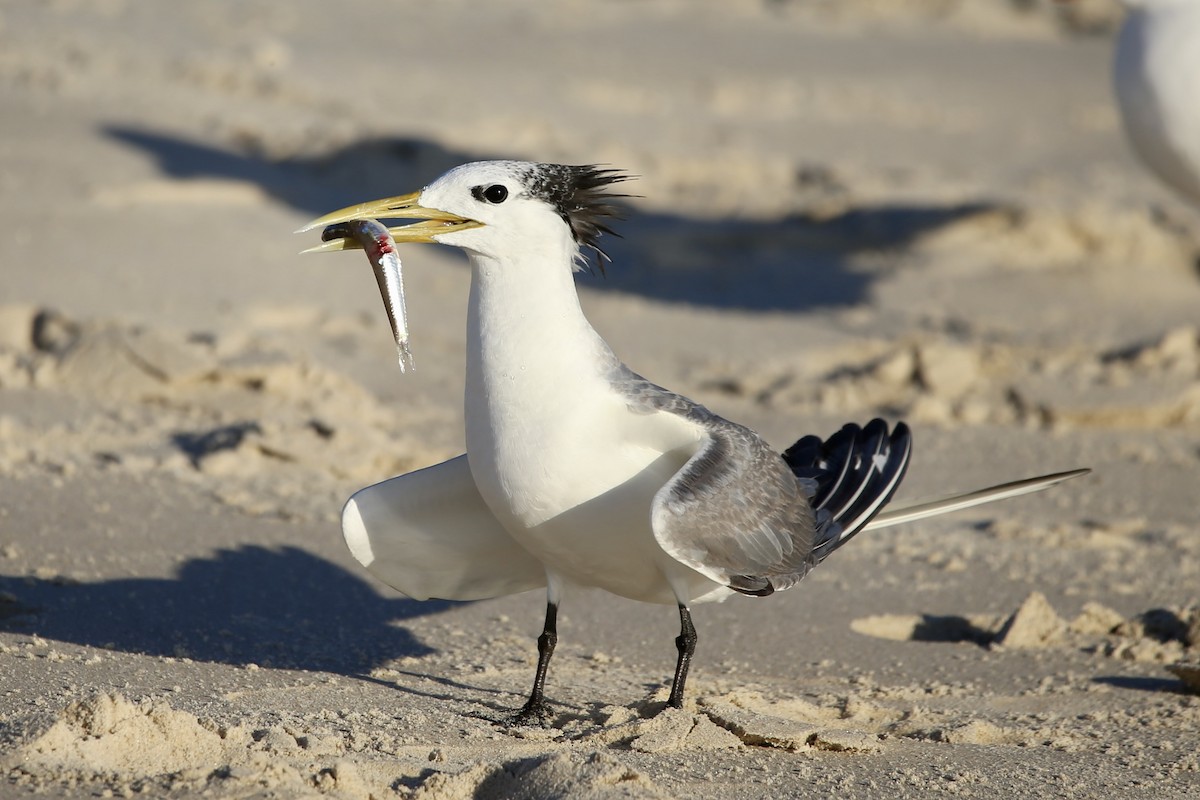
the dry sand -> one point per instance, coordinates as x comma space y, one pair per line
921, 209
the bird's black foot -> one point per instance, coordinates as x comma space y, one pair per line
535, 712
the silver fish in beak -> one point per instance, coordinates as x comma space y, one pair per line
377, 241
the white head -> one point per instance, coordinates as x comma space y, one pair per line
502, 209
520, 203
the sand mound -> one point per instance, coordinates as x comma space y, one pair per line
107, 735
595, 777
151, 748
946, 380
1040, 239
1034, 624
1189, 673
1158, 635
246, 416
785, 725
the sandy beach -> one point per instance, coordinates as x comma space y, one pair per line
922, 210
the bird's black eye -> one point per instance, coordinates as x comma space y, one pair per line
496, 193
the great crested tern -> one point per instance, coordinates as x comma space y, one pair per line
580, 471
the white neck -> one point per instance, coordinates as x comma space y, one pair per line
532, 355
546, 432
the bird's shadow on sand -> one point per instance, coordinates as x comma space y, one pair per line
1141, 683
794, 263
283, 608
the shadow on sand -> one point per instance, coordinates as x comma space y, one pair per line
794, 263
1140, 683
282, 608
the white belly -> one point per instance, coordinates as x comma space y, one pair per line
579, 497
556, 453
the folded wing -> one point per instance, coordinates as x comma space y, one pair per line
757, 522
736, 514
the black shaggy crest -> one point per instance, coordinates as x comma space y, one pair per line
577, 193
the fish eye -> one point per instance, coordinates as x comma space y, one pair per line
496, 193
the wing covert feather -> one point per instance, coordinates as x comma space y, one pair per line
736, 514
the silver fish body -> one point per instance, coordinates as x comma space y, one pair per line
377, 241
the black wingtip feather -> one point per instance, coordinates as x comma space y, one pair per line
882, 484
857, 471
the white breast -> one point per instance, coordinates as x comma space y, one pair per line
558, 456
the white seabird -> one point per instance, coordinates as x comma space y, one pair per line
578, 470
1156, 78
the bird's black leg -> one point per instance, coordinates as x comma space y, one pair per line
535, 709
686, 644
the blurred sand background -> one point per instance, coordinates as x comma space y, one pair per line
921, 209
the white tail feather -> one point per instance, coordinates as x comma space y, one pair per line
991, 494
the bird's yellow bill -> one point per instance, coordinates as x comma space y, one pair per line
434, 222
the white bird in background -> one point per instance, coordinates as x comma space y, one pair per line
1156, 75
578, 471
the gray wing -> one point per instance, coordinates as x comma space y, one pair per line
734, 512
757, 521
737, 514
